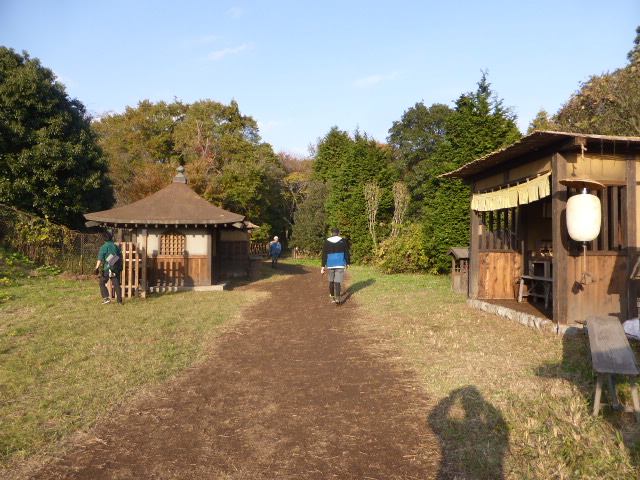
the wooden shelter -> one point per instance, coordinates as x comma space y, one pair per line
181, 241
520, 247
459, 269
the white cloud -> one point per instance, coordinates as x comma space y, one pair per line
66, 81
236, 12
375, 79
269, 125
220, 54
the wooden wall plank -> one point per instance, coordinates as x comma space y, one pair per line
561, 288
473, 254
631, 243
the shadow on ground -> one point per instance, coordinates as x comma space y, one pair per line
267, 272
356, 287
473, 435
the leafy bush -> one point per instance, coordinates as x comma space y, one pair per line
403, 253
261, 234
48, 270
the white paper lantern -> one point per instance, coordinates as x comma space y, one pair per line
583, 217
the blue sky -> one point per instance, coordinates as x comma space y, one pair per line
299, 68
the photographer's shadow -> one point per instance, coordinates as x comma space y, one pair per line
473, 436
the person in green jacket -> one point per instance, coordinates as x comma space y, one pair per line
110, 270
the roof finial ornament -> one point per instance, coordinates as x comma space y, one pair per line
180, 178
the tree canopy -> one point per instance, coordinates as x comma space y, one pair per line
607, 104
346, 164
415, 138
50, 162
225, 160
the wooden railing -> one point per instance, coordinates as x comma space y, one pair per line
132, 267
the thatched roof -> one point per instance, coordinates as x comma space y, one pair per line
175, 204
533, 142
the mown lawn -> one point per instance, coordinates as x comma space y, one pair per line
508, 401
66, 360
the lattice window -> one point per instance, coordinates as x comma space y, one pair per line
172, 243
500, 229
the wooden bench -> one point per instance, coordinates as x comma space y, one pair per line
539, 287
611, 355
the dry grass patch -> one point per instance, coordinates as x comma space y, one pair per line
509, 401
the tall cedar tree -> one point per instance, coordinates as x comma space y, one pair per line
346, 164
310, 219
50, 163
479, 125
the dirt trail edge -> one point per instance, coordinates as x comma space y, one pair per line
293, 391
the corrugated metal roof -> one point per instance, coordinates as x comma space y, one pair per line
528, 144
175, 204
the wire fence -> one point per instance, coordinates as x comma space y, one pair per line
47, 243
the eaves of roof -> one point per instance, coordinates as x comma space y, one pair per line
176, 204
536, 141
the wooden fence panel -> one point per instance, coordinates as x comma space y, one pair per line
498, 274
179, 271
131, 271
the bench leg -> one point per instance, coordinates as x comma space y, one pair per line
596, 401
614, 396
634, 394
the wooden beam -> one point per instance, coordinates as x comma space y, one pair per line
560, 239
571, 144
474, 251
631, 240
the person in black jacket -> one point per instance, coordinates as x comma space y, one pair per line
335, 258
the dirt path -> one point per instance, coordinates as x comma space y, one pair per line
292, 392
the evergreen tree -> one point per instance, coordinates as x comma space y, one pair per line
330, 152
310, 219
50, 163
361, 161
479, 125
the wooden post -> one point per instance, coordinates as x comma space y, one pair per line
211, 231
560, 239
143, 270
474, 252
631, 241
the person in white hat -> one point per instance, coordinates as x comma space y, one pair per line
275, 248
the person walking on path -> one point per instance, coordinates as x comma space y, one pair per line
110, 257
335, 258
275, 248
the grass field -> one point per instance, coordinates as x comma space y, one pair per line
66, 360
507, 398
